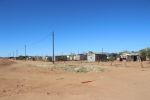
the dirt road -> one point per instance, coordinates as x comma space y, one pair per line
23, 81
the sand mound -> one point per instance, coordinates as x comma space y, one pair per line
6, 62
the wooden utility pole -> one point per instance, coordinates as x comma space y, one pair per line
102, 50
13, 54
25, 52
53, 44
25, 47
16, 53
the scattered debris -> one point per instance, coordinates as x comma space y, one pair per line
48, 93
60, 78
4, 91
86, 82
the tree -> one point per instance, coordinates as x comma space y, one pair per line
145, 53
148, 53
112, 57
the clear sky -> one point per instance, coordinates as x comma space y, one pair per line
79, 25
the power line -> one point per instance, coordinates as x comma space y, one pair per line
30, 44
40, 40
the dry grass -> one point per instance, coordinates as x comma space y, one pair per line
6, 62
28, 80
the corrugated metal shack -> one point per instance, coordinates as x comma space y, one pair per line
61, 58
130, 57
93, 57
80, 57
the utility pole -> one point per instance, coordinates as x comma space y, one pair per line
13, 54
10, 55
25, 47
102, 50
53, 44
16, 54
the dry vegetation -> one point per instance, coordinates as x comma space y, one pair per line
28, 80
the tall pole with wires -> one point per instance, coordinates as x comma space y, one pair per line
25, 50
13, 54
16, 54
53, 44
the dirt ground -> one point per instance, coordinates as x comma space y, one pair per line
28, 80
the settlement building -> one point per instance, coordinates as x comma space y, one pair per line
92, 57
71, 57
130, 57
61, 58
80, 57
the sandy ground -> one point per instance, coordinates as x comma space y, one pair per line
28, 81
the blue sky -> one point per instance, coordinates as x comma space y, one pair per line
79, 25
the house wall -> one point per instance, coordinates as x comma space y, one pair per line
71, 57
101, 57
47, 58
77, 57
96, 57
83, 57
130, 57
80, 57
61, 58
91, 57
